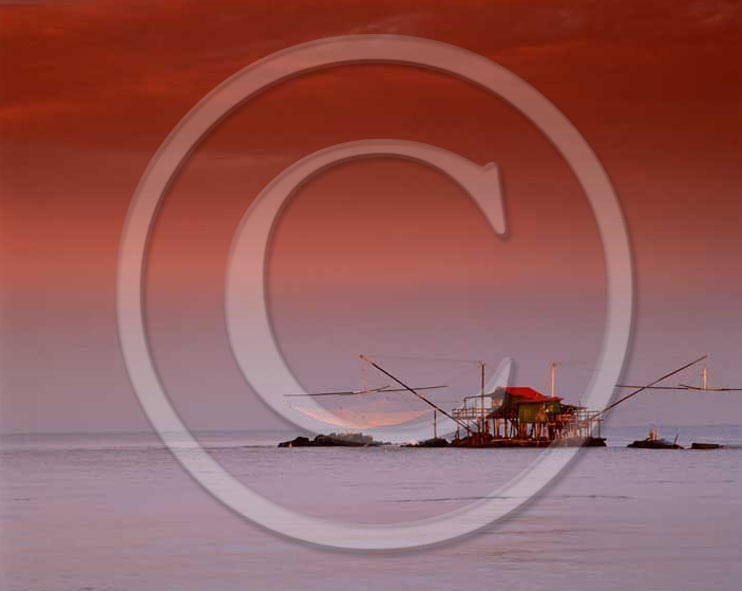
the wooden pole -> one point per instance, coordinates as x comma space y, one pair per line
657, 381
372, 363
483, 421
552, 378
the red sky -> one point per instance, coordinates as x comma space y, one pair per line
377, 255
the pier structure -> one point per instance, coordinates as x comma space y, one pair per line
521, 416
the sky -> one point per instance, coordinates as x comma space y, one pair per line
380, 256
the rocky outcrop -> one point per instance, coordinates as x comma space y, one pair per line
334, 440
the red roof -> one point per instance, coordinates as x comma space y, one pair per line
529, 395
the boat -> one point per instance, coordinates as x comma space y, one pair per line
654, 441
702, 445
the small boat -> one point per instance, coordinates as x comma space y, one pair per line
702, 445
654, 441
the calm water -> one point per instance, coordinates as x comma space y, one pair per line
116, 512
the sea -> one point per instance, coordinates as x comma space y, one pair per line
105, 512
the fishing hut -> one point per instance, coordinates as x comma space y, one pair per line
523, 417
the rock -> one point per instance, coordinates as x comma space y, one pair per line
435, 442
334, 440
